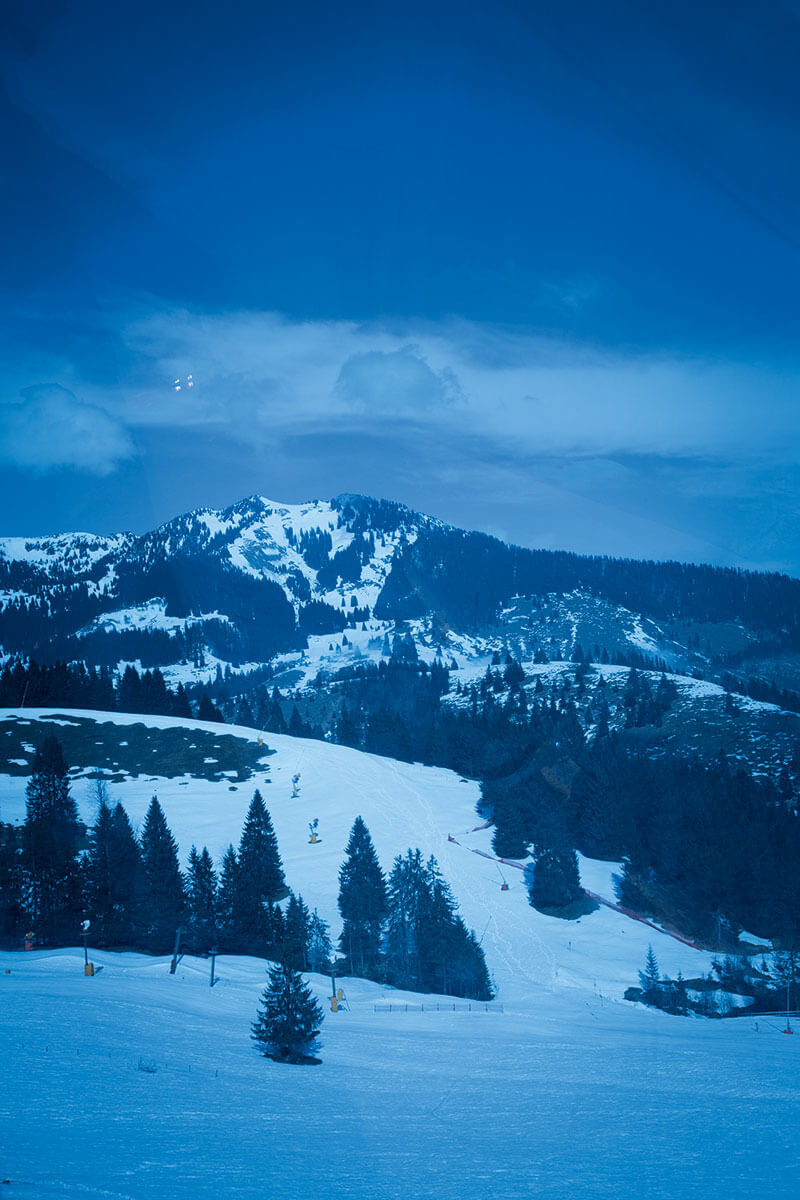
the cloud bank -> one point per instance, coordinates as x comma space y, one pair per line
540, 441
257, 375
50, 428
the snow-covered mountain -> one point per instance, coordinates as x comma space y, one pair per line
262, 581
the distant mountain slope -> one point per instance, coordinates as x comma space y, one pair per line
259, 579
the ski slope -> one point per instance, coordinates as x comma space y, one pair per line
404, 805
143, 1085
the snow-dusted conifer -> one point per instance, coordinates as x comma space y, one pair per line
288, 1022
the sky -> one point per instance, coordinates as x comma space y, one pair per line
530, 268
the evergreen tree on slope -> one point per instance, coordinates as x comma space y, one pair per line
51, 840
320, 951
362, 904
202, 890
226, 900
408, 893
163, 900
113, 874
11, 887
288, 1022
297, 930
260, 881
556, 879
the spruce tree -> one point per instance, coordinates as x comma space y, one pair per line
99, 876
288, 1022
428, 947
226, 901
202, 893
296, 933
112, 873
11, 887
362, 904
408, 892
435, 933
125, 872
208, 711
51, 842
320, 951
260, 881
649, 979
556, 880
163, 900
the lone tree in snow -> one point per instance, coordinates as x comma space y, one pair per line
289, 1019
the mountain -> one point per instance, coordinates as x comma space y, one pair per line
627, 710
262, 582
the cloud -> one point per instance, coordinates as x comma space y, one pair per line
398, 381
51, 428
259, 376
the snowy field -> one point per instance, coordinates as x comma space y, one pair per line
140, 1084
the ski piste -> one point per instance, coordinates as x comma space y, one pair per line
620, 908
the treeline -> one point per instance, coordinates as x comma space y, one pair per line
74, 685
466, 577
705, 848
394, 709
762, 689
55, 874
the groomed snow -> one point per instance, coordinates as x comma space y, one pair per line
140, 1084
404, 805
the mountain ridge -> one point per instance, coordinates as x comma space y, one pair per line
241, 585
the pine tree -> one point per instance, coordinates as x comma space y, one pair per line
275, 721
649, 980
208, 711
260, 879
435, 933
51, 841
320, 951
297, 930
556, 880
112, 873
428, 947
125, 872
347, 732
99, 877
181, 706
202, 892
11, 887
163, 901
362, 904
407, 895
288, 1022
226, 900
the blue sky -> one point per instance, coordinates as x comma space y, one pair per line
531, 268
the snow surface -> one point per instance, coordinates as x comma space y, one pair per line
140, 1084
